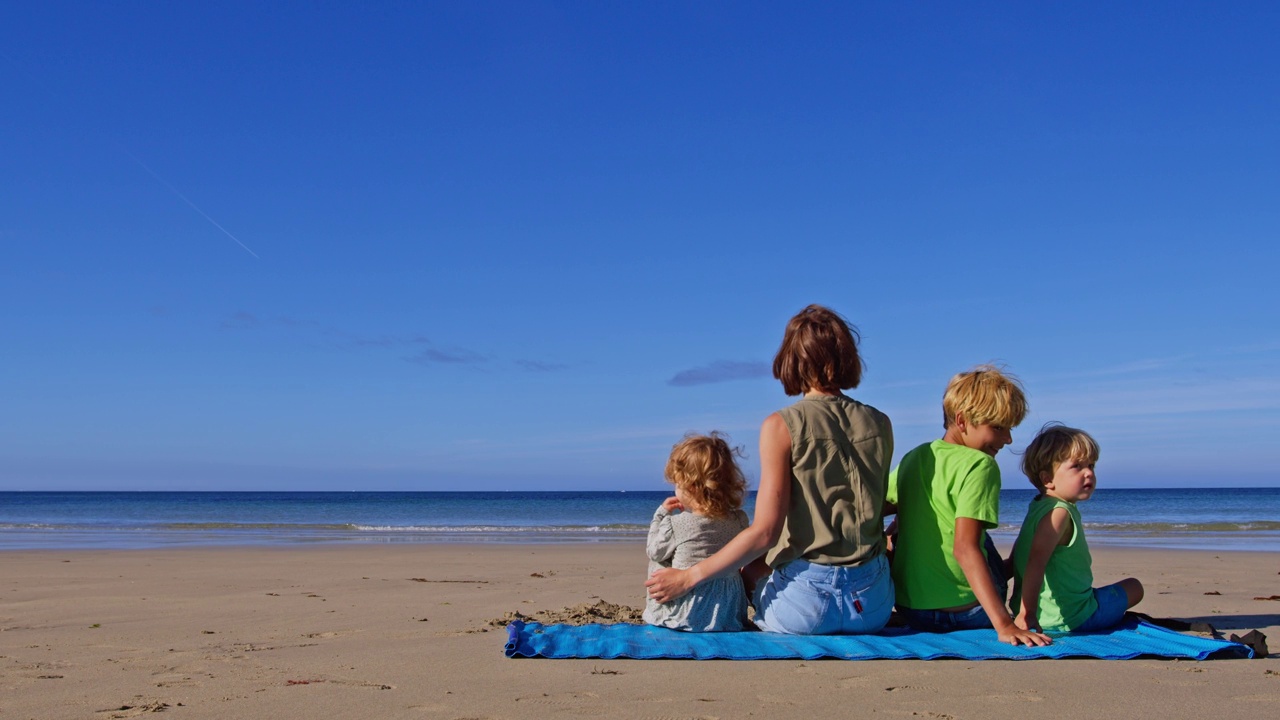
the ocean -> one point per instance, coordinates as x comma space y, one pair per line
1206, 519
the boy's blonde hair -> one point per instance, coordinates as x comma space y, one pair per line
1055, 444
987, 396
819, 351
702, 466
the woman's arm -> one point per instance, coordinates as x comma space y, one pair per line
773, 500
1052, 530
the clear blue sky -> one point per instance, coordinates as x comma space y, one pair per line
528, 245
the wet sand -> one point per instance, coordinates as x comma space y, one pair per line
414, 631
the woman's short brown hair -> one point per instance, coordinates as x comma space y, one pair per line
704, 469
820, 352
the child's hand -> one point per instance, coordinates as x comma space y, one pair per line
1014, 635
672, 504
1027, 622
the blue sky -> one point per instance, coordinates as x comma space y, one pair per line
483, 245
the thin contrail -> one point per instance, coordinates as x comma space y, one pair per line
186, 200
44, 86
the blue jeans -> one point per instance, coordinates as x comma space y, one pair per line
971, 619
940, 621
804, 598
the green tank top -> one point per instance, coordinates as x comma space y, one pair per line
1066, 597
840, 455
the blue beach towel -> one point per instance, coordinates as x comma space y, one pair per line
645, 642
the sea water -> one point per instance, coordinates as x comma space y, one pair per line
1210, 519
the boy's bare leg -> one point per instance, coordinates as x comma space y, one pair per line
1132, 590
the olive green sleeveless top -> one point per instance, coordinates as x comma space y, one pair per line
840, 456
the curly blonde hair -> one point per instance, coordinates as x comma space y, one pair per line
704, 469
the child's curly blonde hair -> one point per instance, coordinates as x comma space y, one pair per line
704, 469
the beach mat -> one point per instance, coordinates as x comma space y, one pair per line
1132, 639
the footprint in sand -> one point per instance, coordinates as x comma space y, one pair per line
173, 677
436, 708
916, 688
570, 699
349, 683
364, 684
1260, 698
1019, 696
329, 634
679, 717
140, 708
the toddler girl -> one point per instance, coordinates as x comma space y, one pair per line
704, 515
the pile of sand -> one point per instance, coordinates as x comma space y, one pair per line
604, 613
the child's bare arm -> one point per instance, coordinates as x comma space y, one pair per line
968, 553
1052, 530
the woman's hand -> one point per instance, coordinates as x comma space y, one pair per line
667, 584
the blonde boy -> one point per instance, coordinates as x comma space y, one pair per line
946, 571
1053, 590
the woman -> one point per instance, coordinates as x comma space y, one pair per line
815, 552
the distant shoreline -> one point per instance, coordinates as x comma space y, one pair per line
1205, 519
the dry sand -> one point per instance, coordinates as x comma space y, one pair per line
406, 631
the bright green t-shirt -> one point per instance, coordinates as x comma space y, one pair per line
1066, 597
933, 485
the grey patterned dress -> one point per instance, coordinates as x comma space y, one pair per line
680, 540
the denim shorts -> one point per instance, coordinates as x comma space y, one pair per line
804, 598
1113, 601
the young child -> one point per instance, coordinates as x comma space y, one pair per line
709, 490
1053, 576
946, 571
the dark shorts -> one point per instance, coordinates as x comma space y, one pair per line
1113, 601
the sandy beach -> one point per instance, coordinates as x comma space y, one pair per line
414, 631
